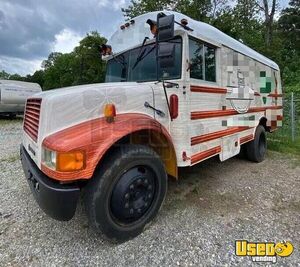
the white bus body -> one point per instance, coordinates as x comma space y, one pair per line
217, 97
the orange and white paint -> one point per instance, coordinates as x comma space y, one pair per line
209, 121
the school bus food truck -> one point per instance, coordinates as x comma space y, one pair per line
177, 92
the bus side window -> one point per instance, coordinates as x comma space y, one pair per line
202, 60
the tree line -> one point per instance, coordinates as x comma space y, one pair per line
82, 66
252, 22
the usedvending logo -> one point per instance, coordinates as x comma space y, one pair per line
263, 251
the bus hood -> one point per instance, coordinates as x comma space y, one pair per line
63, 108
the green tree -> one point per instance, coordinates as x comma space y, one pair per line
4, 75
17, 77
196, 9
247, 26
289, 31
82, 66
137, 7
59, 74
88, 66
50, 61
37, 77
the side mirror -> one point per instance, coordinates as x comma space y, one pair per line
166, 55
165, 27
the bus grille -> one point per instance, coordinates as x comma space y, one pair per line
32, 117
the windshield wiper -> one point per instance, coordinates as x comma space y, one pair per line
152, 48
141, 53
123, 63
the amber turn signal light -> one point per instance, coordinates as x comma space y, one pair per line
153, 26
109, 112
105, 50
70, 161
184, 22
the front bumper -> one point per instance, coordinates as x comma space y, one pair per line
56, 200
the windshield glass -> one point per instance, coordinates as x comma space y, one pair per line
120, 68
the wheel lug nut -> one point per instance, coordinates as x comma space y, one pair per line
149, 187
139, 210
131, 187
127, 196
131, 211
146, 181
146, 204
139, 181
126, 205
149, 195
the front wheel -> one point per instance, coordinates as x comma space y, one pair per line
256, 149
126, 192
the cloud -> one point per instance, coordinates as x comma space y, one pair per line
31, 29
66, 40
21, 66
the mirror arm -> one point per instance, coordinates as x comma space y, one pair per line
169, 84
184, 26
166, 96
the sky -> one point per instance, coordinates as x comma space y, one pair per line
31, 29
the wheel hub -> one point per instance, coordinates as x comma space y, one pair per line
133, 194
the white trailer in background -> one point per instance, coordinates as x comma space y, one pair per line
13, 96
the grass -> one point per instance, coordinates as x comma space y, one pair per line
4, 122
284, 144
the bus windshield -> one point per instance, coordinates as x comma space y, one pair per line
122, 68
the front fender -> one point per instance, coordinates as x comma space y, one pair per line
95, 137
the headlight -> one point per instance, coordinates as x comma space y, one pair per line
63, 161
49, 158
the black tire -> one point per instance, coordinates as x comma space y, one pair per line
243, 152
119, 201
256, 149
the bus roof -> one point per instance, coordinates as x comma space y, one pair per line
133, 35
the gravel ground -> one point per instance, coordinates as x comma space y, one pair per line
211, 206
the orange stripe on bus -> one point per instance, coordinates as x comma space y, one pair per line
246, 139
204, 89
215, 135
196, 115
205, 154
275, 95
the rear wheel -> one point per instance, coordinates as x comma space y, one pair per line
126, 193
256, 149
